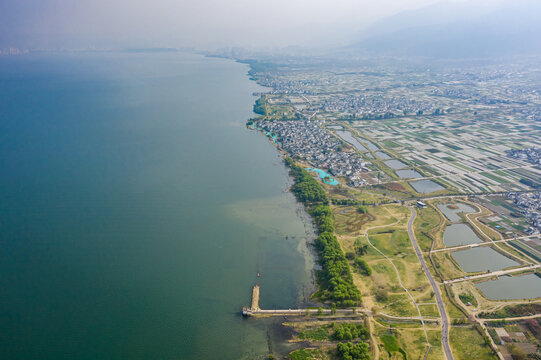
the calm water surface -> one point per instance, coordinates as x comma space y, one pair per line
460, 234
426, 186
408, 174
382, 155
511, 288
482, 259
452, 214
395, 164
346, 135
136, 210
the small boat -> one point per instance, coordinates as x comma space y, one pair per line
258, 275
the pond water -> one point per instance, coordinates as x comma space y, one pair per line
395, 164
382, 155
325, 176
460, 234
408, 174
426, 186
511, 288
370, 145
368, 155
346, 135
482, 259
452, 214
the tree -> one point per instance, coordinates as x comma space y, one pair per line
350, 351
363, 249
363, 267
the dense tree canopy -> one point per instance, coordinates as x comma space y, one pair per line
350, 331
351, 351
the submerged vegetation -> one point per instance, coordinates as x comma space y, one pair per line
335, 279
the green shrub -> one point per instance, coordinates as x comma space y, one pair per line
347, 331
350, 351
363, 267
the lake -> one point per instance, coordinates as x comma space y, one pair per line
137, 209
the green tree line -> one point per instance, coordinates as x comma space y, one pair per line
335, 279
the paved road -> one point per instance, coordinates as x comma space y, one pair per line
494, 273
435, 288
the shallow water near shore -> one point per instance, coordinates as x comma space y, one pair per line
137, 210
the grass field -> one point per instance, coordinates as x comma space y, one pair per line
468, 344
410, 338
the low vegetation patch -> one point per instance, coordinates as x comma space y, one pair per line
390, 343
512, 311
468, 298
319, 334
304, 354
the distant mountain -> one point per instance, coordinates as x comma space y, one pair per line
459, 30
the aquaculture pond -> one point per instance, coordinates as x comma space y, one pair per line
395, 164
482, 259
426, 186
460, 234
451, 211
408, 174
512, 287
370, 145
382, 155
346, 135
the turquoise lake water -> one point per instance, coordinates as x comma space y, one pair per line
136, 210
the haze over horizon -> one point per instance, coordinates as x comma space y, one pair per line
61, 24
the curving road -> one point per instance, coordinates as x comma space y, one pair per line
435, 288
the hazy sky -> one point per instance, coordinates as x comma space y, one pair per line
200, 23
